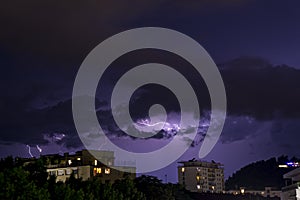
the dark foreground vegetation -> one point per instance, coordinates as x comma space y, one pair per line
261, 174
32, 182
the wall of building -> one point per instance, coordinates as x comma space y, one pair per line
292, 190
197, 176
86, 167
63, 173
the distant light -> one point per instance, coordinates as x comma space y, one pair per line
198, 187
242, 190
282, 166
78, 158
182, 169
69, 162
293, 164
96, 162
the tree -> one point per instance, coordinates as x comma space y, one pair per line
15, 184
128, 189
37, 172
153, 188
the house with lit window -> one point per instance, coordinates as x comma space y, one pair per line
268, 192
201, 176
292, 189
84, 165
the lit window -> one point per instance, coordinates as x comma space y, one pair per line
78, 158
198, 187
69, 162
96, 162
198, 178
107, 171
182, 169
60, 172
97, 170
68, 171
52, 173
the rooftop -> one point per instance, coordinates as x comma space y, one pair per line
199, 163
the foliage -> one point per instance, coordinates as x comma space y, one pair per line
16, 184
153, 188
261, 174
30, 181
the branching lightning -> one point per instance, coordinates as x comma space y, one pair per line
146, 123
167, 126
58, 136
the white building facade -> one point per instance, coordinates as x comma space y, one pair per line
292, 189
201, 176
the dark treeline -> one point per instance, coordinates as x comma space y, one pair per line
31, 182
260, 174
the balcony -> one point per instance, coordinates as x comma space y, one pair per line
291, 187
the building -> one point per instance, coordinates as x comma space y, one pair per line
201, 176
267, 192
84, 165
292, 189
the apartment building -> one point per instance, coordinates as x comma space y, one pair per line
201, 176
84, 165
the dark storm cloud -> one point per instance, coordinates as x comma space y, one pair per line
249, 96
42, 44
61, 29
263, 99
36, 126
285, 133
255, 87
68, 30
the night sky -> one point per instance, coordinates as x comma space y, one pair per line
255, 44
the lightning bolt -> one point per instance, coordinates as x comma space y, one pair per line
58, 136
147, 124
39, 148
168, 127
29, 150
